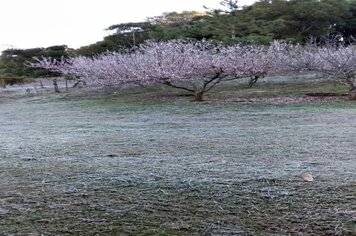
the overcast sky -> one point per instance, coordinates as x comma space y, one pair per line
43, 23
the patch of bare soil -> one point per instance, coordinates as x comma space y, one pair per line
326, 94
288, 100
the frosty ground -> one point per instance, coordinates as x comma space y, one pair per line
112, 165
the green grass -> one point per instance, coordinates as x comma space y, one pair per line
150, 162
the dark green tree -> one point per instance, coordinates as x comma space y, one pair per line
348, 27
265, 20
13, 62
173, 25
125, 36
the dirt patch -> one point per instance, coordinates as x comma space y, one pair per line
288, 100
326, 94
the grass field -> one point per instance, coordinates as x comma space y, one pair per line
151, 163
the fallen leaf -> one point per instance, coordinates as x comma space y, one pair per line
308, 177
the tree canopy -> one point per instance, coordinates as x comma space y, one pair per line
13, 61
260, 23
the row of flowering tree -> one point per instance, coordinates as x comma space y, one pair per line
333, 59
197, 67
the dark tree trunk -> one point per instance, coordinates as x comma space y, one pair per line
56, 88
253, 81
77, 83
352, 93
2, 84
198, 96
41, 84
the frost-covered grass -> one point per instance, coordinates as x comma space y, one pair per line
143, 165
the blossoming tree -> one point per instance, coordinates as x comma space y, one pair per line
332, 59
195, 67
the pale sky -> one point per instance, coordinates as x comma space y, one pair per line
44, 23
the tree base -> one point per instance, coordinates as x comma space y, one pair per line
198, 97
352, 96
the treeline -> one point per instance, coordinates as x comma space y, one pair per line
197, 67
13, 68
266, 20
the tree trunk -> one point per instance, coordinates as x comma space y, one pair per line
41, 84
76, 84
56, 88
352, 93
198, 96
252, 81
2, 83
